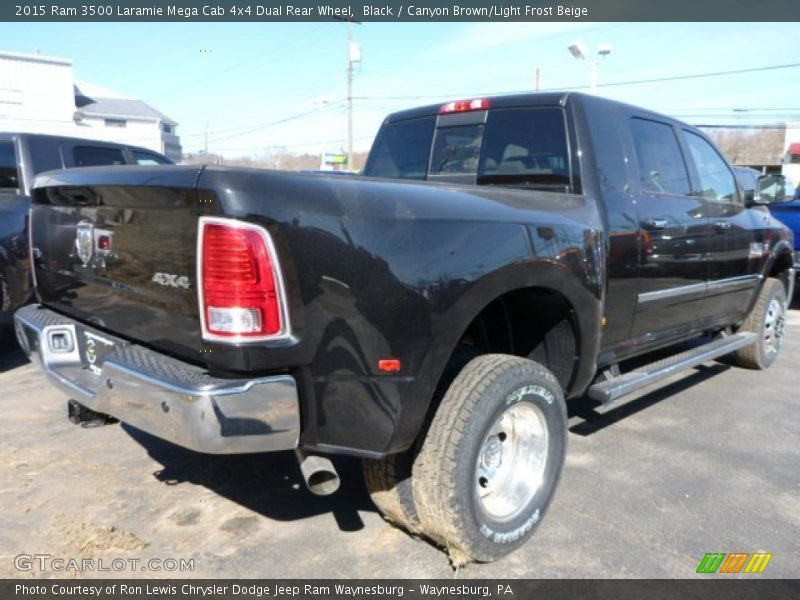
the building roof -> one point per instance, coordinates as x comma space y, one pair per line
41, 58
794, 149
96, 100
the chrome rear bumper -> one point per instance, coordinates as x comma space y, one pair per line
161, 395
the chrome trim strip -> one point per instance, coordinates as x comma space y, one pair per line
711, 286
730, 282
672, 292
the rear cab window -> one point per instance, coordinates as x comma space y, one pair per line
97, 156
9, 173
402, 150
516, 147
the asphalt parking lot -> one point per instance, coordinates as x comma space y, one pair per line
710, 463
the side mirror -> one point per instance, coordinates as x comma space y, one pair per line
770, 189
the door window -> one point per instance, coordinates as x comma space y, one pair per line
661, 165
716, 180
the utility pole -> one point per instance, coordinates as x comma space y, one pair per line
205, 151
322, 104
353, 56
537, 79
350, 95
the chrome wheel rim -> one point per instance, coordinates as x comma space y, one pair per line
511, 461
774, 325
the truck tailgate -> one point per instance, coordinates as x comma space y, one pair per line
121, 253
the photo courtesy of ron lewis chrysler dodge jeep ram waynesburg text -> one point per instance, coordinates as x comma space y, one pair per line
499, 257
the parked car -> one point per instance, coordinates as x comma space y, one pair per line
788, 211
22, 157
502, 255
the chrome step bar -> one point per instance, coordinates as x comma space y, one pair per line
615, 387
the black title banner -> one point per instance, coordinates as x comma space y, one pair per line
403, 10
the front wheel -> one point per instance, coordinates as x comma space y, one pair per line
492, 458
768, 321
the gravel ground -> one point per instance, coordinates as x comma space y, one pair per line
709, 463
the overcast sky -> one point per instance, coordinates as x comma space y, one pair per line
243, 79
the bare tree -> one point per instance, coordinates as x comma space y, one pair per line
754, 147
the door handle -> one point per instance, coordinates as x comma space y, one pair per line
651, 223
722, 226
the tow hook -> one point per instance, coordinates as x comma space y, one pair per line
86, 417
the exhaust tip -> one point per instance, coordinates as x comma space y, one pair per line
319, 474
323, 483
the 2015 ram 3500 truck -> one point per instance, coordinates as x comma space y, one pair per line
433, 326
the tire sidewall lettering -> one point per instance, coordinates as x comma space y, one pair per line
505, 537
530, 390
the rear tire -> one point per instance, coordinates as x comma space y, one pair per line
389, 480
389, 485
492, 458
768, 321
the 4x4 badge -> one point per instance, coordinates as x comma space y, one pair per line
84, 241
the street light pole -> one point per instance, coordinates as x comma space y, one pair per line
580, 51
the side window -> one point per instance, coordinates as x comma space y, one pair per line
661, 166
716, 180
94, 156
9, 176
145, 158
402, 150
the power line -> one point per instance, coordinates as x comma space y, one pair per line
262, 126
610, 84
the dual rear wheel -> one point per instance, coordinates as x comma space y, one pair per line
487, 470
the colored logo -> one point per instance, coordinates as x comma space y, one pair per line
735, 562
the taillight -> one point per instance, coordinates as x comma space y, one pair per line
241, 291
464, 106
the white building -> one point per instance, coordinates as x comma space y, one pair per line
39, 94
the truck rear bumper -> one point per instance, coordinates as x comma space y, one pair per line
158, 394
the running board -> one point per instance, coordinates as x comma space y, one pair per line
609, 390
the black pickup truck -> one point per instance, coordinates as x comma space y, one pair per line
22, 157
502, 255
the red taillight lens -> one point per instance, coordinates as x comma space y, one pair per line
241, 284
464, 106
